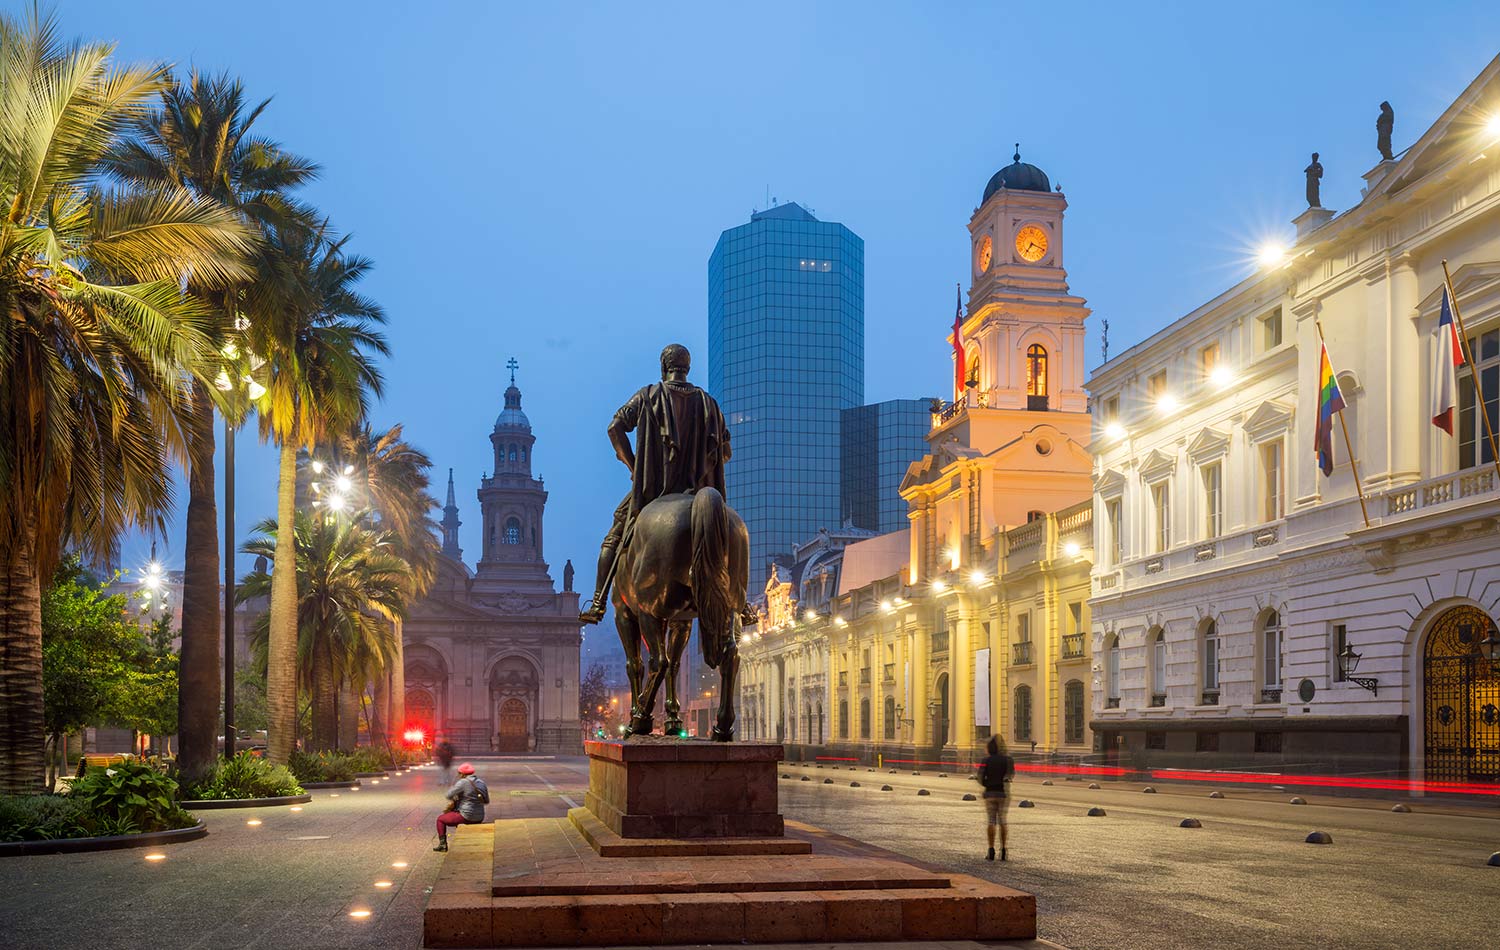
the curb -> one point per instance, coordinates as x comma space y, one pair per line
210, 803
13, 849
367, 775
352, 783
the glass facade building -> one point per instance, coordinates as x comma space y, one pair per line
878, 443
786, 355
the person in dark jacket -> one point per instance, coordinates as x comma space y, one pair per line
444, 755
466, 801
994, 773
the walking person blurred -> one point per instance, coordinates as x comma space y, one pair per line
466, 801
994, 773
444, 755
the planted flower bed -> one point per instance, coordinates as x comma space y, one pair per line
245, 781
126, 805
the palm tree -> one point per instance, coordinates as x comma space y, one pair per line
395, 484
95, 336
350, 583
316, 333
199, 138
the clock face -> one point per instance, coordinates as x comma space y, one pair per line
1031, 243
986, 251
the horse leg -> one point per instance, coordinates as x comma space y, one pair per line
630, 638
678, 633
729, 670
654, 633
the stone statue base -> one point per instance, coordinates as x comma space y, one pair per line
658, 787
1312, 219
1377, 174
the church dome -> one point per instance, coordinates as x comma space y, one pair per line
511, 417
1017, 176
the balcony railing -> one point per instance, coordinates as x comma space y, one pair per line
864, 676
940, 642
888, 675
1158, 699
1210, 697
1072, 646
1470, 483
1020, 653
1112, 702
1271, 694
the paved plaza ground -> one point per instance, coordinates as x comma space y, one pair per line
1132, 879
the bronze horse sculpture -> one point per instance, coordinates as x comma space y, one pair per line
686, 557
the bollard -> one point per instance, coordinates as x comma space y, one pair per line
854, 785
1046, 781
1149, 790
1096, 812
785, 775
885, 788
1320, 837
1094, 786
1297, 800
1400, 809
1495, 860
970, 798
1190, 823
807, 778
923, 791
1215, 794
1025, 803
828, 781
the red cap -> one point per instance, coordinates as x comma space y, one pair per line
466, 769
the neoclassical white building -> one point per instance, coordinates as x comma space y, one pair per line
1231, 573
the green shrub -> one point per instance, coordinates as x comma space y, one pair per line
43, 817
130, 797
245, 776
322, 767
366, 759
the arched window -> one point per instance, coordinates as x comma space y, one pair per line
971, 366
864, 718
1209, 651
890, 717
1112, 673
1073, 711
512, 451
513, 531
1036, 370
1272, 639
843, 719
1023, 713
523, 453
1159, 668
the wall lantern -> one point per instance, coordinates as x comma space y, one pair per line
1348, 663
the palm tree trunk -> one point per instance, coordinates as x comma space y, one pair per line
397, 717
281, 660
199, 672
23, 766
380, 708
348, 715
324, 698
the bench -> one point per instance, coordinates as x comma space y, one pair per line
98, 762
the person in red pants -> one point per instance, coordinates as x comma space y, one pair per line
466, 801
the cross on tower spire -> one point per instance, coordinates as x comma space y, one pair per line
512, 365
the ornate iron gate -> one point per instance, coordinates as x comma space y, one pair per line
1462, 734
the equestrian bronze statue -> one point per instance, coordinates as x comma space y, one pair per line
676, 551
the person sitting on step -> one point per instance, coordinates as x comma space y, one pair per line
465, 806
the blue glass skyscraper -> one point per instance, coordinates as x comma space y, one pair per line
786, 353
880, 441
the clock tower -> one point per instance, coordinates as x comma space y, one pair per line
1023, 334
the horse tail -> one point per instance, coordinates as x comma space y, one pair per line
717, 613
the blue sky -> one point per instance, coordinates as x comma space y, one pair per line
547, 181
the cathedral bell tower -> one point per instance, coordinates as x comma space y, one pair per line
511, 502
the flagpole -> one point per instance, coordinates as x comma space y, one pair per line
1344, 426
1463, 342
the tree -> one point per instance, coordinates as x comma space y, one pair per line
350, 584
200, 138
316, 333
95, 338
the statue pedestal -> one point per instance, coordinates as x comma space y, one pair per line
651, 787
1377, 174
1312, 219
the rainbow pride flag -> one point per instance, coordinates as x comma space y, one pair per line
1330, 401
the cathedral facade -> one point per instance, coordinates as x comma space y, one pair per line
492, 653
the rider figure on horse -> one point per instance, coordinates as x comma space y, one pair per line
681, 445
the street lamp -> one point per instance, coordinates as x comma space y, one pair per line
1490, 646
1348, 663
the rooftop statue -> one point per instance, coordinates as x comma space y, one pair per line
1384, 125
1314, 173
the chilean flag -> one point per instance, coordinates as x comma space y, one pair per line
1450, 356
958, 348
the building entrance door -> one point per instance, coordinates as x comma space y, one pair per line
514, 736
1462, 693
940, 713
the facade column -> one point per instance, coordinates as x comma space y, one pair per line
961, 680
1404, 349
921, 674
853, 690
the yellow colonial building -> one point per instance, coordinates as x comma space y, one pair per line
973, 621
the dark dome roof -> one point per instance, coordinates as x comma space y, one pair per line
1017, 176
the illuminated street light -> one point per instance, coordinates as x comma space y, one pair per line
887, 606
1492, 127
977, 577
342, 483
337, 503
1166, 402
1221, 376
938, 587
1114, 431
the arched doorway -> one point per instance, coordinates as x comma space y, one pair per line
1461, 693
421, 712
514, 736
940, 712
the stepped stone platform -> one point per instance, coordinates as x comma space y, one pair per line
578, 881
